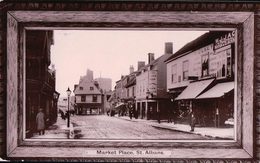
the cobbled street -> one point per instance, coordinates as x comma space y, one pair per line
105, 127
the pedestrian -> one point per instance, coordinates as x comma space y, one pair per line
40, 122
192, 121
131, 113
170, 115
159, 116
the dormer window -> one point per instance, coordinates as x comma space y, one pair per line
80, 88
91, 88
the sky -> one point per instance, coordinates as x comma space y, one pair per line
108, 53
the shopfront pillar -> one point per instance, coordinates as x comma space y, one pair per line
146, 109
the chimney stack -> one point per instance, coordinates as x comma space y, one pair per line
90, 74
140, 64
150, 57
168, 48
131, 69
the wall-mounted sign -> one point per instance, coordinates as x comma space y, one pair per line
225, 40
152, 82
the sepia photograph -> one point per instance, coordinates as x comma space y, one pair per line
129, 81
130, 84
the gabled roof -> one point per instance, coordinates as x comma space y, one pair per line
86, 84
201, 41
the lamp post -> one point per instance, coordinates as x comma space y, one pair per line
68, 93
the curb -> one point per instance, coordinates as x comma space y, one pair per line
173, 129
170, 128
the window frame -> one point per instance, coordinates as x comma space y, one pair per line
82, 98
185, 71
94, 98
174, 72
19, 21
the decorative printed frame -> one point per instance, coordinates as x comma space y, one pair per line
243, 21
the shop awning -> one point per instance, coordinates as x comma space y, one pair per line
194, 89
218, 90
120, 106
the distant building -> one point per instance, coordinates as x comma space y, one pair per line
91, 95
104, 83
88, 97
63, 103
119, 89
131, 85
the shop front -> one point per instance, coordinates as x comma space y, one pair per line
186, 101
216, 106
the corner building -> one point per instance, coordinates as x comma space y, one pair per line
152, 100
200, 79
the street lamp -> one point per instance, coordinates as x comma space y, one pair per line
68, 93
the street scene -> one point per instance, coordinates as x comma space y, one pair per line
122, 86
106, 127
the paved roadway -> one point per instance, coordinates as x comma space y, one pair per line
105, 127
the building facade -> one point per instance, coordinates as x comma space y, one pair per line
200, 78
40, 79
88, 97
152, 101
91, 95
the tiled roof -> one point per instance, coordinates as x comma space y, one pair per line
132, 81
86, 84
201, 41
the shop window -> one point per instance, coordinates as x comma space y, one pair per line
127, 92
174, 74
204, 65
83, 98
94, 98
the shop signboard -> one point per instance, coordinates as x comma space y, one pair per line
152, 85
225, 40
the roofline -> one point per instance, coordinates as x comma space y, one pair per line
179, 56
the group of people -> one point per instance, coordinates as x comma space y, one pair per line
171, 115
65, 115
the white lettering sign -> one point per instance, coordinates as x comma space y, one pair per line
152, 85
225, 40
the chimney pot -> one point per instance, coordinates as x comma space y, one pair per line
131, 69
150, 57
168, 48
